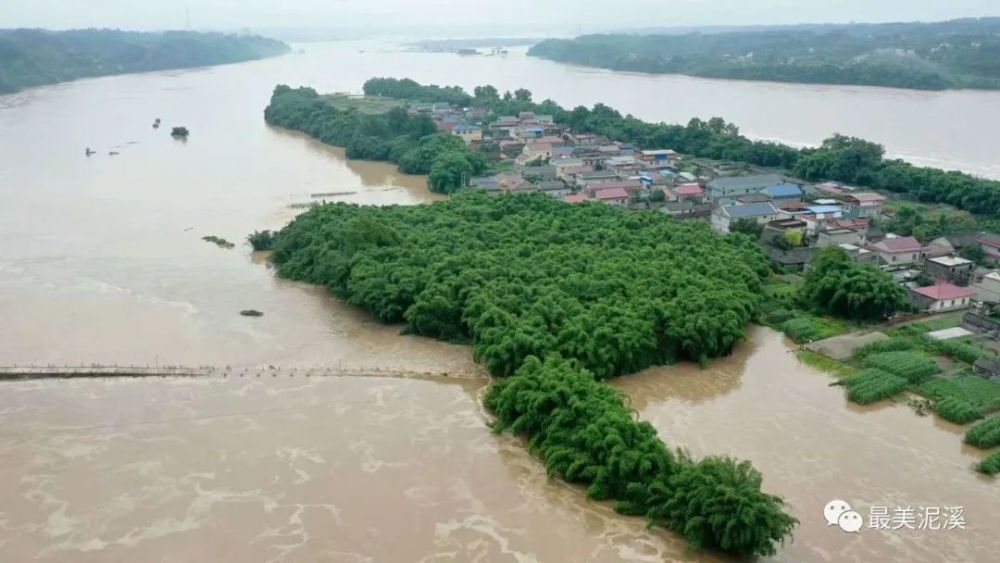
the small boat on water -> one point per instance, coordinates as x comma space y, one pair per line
156, 123
90, 151
113, 153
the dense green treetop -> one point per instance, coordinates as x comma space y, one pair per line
931, 56
840, 286
32, 57
617, 291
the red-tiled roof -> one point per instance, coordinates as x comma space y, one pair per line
689, 189
866, 197
575, 198
900, 244
944, 291
989, 239
611, 193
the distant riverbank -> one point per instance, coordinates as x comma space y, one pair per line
34, 57
958, 54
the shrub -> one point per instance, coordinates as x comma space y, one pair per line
777, 317
717, 504
913, 366
957, 410
807, 328
984, 435
801, 329
960, 351
261, 240
990, 465
879, 346
981, 393
873, 385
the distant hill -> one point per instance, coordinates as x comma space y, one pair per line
34, 57
928, 56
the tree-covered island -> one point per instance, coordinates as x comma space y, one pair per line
554, 298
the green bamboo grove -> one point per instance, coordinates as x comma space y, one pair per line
558, 297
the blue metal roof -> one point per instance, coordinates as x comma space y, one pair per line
466, 128
824, 208
784, 189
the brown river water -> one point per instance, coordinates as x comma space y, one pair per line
100, 261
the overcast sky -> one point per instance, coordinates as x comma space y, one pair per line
471, 16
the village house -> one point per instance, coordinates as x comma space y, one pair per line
785, 191
859, 254
693, 192
534, 150
864, 204
836, 236
503, 127
752, 198
818, 216
630, 186
562, 151
659, 158
597, 177
468, 133
688, 210
897, 251
668, 194
612, 196
511, 149
489, 184
583, 139
951, 269
990, 243
987, 289
777, 232
625, 165
726, 189
940, 298
957, 241
572, 175
537, 173
829, 188
723, 216
843, 231
575, 198
527, 133
554, 188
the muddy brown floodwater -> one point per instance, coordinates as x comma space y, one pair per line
101, 261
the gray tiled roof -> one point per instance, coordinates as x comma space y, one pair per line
750, 210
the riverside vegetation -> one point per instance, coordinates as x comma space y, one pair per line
555, 298
395, 136
34, 57
412, 142
929, 56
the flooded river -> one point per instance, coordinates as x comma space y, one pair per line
101, 261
